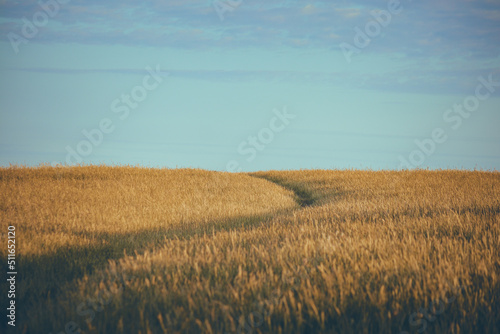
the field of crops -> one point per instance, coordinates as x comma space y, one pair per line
137, 250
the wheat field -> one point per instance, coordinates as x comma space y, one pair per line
139, 250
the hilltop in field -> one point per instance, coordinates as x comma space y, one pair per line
136, 250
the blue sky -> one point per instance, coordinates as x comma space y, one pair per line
251, 84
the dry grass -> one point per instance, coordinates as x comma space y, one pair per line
366, 252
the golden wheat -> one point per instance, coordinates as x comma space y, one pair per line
365, 252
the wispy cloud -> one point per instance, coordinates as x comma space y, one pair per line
432, 28
456, 81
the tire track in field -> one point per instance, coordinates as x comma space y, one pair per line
303, 196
